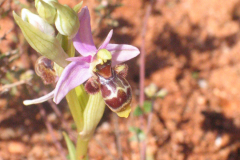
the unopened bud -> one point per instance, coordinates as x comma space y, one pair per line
162, 93
42, 42
46, 10
66, 21
77, 7
37, 22
151, 90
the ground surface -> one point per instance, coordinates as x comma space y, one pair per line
192, 51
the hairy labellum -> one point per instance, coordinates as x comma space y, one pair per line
114, 88
44, 69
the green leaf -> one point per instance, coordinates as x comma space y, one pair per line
82, 96
162, 93
73, 126
138, 111
70, 146
195, 75
139, 134
134, 129
92, 115
77, 7
147, 106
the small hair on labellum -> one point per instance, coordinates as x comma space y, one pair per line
121, 70
92, 86
44, 69
114, 88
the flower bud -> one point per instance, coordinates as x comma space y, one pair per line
42, 42
77, 7
46, 10
162, 93
37, 22
151, 90
66, 21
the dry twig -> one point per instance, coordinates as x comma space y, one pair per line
7, 87
118, 138
4, 37
65, 124
50, 130
105, 148
142, 72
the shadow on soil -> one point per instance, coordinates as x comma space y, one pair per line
217, 122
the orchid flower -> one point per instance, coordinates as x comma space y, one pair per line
80, 68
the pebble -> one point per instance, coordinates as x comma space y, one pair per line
7, 134
16, 148
36, 151
52, 117
203, 83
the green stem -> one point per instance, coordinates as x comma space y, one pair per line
82, 147
75, 109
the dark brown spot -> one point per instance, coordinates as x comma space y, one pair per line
104, 70
92, 86
118, 102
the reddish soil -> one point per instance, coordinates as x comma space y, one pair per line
192, 50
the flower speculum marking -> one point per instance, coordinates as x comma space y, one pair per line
114, 88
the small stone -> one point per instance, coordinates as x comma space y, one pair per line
27, 122
36, 151
53, 152
201, 100
37, 137
16, 148
57, 135
7, 134
25, 138
52, 117
105, 127
3, 103
202, 83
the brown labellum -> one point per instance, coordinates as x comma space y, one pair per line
115, 89
44, 69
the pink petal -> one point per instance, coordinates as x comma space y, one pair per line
40, 99
106, 41
80, 59
72, 76
122, 52
83, 41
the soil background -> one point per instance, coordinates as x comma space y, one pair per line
192, 51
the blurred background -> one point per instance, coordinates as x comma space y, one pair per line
192, 55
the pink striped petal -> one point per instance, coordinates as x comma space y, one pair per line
40, 99
83, 41
72, 76
122, 52
80, 59
106, 41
